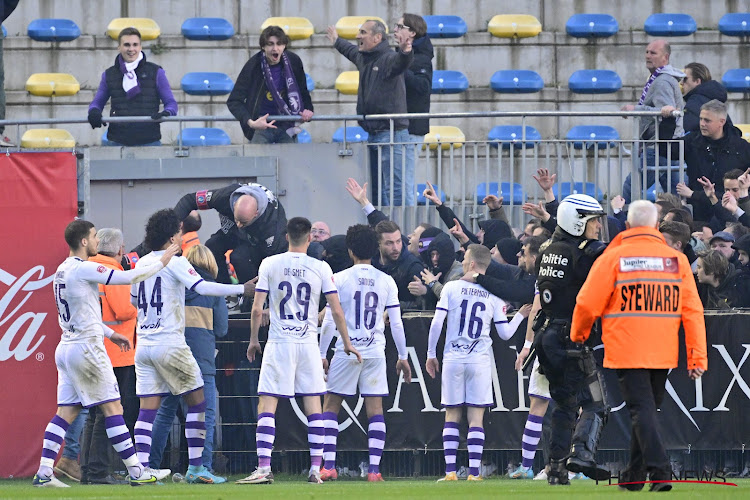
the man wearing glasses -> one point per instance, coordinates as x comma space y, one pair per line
381, 90
320, 231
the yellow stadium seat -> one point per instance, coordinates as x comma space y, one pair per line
348, 26
296, 28
57, 138
148, 27
446, 136
745, 128
348, 82
514, 26
52, 84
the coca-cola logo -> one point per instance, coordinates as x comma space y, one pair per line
18, 329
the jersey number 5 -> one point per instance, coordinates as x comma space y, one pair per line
155, 297
61, 302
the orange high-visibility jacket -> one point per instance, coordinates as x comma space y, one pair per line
117, 313
642, 289
189, 240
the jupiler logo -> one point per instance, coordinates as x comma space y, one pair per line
13, 322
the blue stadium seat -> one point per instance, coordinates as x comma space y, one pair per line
735, 24
310, 82
207, 28
563, 189
200, 83
594, 81
670, 25
512, 134
737, 80
304, 137
516, 81
5, 32
449, 82
421, 200
511, 195
353, 134
591, 26
105, 139
53, 30
592, 136
200, 136
445, 26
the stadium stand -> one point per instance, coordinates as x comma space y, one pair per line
591, 26
670, 25
512, 194
207, 28
594, 81
148, 27
348, 26
735, 24
53, 30
353, 134
296, 28
445, 26
206, 83
446, 136
508, 135
564, 189
516, 81
47, 138
449, 82
304, 137
52, 84
737, 80
592, 136
203, 136
348, 82
310, 82
514, 26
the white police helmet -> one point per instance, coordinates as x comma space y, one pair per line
575, 211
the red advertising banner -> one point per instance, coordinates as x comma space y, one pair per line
38, 198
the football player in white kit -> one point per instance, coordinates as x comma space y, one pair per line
164, 364
467, 365
291, 364
365, 294
85, 375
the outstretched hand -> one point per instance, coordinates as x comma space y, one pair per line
431, 194
359, 193
332, 34
545, 179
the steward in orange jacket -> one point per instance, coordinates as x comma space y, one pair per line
643, 290
117, 313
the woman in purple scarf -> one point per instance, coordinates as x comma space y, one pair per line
272, 82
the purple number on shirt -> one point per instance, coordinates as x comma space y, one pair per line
304, 292
61, 302
474, 329
370, 313
155, 297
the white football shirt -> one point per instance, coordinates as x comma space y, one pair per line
160, 300
294, 282
471, 310
365, 293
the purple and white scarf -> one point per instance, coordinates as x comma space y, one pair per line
648, 84
292, 89
129, 78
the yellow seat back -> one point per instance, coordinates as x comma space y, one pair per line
348, 26
52, 84
296, 28
445, 136
148, 27
348, 82
56, 138
514, 26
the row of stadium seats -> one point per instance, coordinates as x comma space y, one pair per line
586, 81
502, 25
512, 192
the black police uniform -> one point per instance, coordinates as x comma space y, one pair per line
561, 270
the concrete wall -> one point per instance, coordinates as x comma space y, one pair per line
552, 54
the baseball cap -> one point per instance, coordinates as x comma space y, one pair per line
723, 236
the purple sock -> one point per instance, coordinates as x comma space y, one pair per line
532, 433
265, 433
119, 437
331, 423
376, 441
475, 445
450, 445
54, 435
142, 433
315, 436
195, 433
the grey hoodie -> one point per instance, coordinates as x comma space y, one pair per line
664, 91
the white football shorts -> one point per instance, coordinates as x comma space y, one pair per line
289, 369
84, 375
466, 384
538, 383
345, 375
161, 370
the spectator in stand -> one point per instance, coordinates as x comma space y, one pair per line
742, 245
418, 80
677, 236
545, 210
206, 319
722, 242
382, 90
720, 284
272, 82
397, 262
516, 283
718, 149
416, 245
662, 90
531, 226
724, 210
8, 7
506, 250
697, 88
120, 315
336, 253
441, 267
320, 231
136, 87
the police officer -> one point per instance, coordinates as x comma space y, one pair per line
562, 268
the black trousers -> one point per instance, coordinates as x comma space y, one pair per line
643, 391
130, 403
566, 387
245, 258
